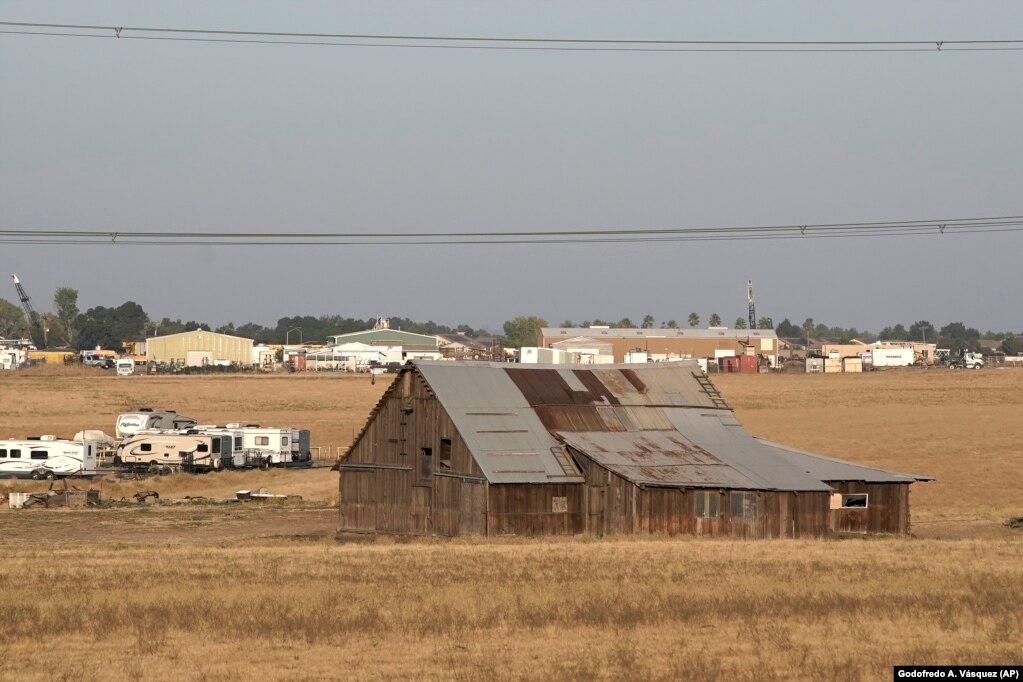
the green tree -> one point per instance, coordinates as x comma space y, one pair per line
786, 329
523, 331
65, 300
568, 324
740, 323
715, 320
648, 321
108, 327
765, 323
922, 330
672, 324
694, 320
1012, 345
12, 321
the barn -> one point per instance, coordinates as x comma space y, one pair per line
474, 448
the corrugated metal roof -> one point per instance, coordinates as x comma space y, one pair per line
658, 458
654, 424
717, 431
577, 333
830, 469
502, 431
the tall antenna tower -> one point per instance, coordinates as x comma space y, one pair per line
752, 307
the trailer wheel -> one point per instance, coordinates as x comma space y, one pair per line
165, 470
49, 475
37, 475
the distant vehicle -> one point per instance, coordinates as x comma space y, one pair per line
967, 360
96, 358
148, 419
259, 444
46, 457
125, 367
170, 450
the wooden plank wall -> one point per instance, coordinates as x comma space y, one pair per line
887, 508
535, 509
381, 487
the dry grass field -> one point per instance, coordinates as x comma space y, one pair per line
231, 592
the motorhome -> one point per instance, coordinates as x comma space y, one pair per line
46, 457
168, 450
148, 419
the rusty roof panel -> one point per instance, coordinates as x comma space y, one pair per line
663, 458
577, 418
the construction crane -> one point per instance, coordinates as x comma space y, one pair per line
30, 312
752, 308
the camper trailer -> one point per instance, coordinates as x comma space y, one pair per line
300, 450
169, 450
46, 457
148, 419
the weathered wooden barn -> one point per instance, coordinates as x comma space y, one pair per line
456, 448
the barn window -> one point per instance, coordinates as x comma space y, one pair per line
559, 505
854, 501
743, 505
706, 504
425, 465
445, 453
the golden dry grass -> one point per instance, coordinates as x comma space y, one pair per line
232, 592
569, 609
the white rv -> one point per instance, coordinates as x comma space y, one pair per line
172, 450
272, 445
148, 419
46, 457
125, 367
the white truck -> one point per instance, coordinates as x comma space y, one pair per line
968, 360
49, 457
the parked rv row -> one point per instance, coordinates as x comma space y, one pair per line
163, 439
159, 441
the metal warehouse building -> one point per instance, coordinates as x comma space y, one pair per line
197, 348
697, 343
493, 449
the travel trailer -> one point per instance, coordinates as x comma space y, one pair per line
168, 450
46, 457
264, 445
148, 419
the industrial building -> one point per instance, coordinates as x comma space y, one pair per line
198, 348
385, 345
492, 449
663, 344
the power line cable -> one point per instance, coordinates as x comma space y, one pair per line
219, 238
502, 43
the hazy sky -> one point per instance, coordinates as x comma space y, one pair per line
122, 135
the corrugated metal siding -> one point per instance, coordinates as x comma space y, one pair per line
830, 469
175, 347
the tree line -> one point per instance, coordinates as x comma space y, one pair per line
108, 327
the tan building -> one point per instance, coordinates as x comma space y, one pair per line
198, 348
669, 343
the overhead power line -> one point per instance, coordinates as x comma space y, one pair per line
498, 42
921, 228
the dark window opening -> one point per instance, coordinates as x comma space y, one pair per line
855, 501
425, 466
202, 447
15, 454
743, 505
146, 447
216, 445
3, 452
445, 453
706, 504
39, 454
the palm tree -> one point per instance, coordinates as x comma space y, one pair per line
694, 320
